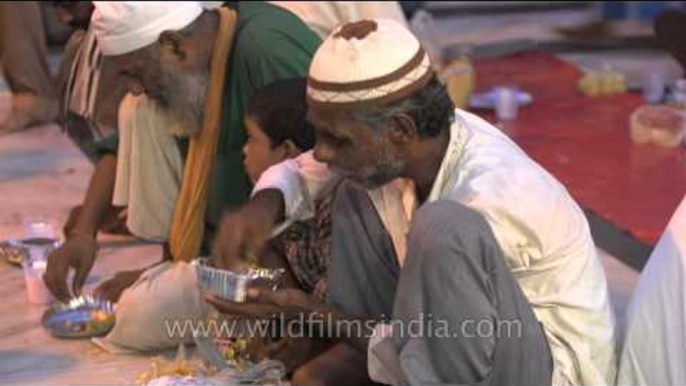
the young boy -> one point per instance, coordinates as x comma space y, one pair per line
277, 128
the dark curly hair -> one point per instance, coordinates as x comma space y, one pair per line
430, 108
280, 109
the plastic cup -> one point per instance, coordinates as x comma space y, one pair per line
40, 236
36, 290
39, 248
506, 105
654, 87
36, 226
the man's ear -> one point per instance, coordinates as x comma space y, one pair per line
403, 129
173, 42
291, 150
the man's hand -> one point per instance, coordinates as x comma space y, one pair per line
113, 288
77, 252
289, 303
244, 233
292, 304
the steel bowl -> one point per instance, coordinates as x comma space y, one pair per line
83, 317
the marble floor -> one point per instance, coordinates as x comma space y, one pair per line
42, 173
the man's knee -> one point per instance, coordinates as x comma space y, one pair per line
305, 376
447, 225
340, 365
445, 214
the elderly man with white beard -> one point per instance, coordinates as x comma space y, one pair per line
198, 68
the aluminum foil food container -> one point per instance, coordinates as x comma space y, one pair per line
82, 317
233, 286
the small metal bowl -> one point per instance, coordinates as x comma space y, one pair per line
83, 317
12, 254
16, 251
233, 286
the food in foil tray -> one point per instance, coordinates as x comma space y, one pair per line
234, 286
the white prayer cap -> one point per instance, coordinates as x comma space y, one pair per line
367, 62
125, 26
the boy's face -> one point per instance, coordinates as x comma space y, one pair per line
258, 152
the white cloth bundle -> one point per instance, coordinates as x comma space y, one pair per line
153, 313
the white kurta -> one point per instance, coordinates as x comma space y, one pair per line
654, 351
324, 16
543, 233
149, 168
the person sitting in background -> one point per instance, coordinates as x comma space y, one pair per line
89, 85
669, 31
658, 305
90, 90
658, 310
23, 49
324, 16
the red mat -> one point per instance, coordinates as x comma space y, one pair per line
585, 143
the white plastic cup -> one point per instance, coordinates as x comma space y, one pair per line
654, 84
506, 105
40, 236
37, 226
36, 290
39, 248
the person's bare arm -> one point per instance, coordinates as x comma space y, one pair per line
284, 193
245, 232
98, 197
79, 249
291, 304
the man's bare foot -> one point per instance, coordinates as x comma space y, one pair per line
27, 111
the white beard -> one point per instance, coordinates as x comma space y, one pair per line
184, 99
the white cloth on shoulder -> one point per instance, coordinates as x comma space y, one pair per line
654, 349
149, 168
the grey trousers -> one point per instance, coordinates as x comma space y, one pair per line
459, 316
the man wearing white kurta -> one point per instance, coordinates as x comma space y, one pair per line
653, 350
324, 16
486, 233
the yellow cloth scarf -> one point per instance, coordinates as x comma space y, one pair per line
188, 222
